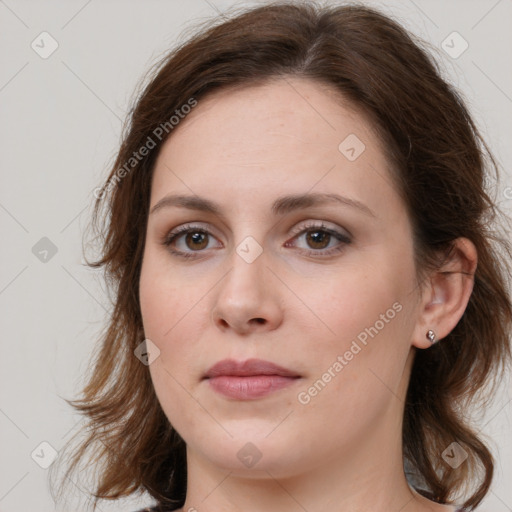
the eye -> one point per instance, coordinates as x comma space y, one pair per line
320, 237
193, 238
188, 240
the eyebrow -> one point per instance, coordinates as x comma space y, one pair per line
281, 206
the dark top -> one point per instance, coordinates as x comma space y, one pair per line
156, 508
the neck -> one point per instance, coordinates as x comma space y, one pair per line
341, 483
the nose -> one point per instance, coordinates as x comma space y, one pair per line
248, 298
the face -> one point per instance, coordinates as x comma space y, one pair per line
322, 286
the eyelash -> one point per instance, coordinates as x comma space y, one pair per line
190, 228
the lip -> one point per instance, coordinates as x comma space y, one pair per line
250, 379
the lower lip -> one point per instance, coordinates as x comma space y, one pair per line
248, 388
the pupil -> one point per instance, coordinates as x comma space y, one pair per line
317, 237
196, 239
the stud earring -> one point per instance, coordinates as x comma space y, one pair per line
431, 336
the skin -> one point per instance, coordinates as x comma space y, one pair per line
342, 450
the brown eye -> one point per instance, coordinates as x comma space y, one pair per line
196, 240
318, 239
189, 241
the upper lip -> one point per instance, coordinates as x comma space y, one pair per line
248, 368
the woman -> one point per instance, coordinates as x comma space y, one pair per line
309, 288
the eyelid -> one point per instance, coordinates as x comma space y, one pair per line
199, 226
185, 228
343, 238
310, 224
320, 224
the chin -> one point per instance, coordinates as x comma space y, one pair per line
254, 450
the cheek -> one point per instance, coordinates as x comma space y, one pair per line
164, 296
168, 308
353, 301
356, 377
365, 326
175, 315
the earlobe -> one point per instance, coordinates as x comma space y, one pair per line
431, 336
447, 295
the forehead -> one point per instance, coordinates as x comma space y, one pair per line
290, 133
308, 111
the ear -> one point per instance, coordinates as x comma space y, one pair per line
446, 293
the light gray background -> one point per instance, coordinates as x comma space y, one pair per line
61, 120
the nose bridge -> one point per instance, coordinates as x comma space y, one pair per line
246, 296
247, 259
245, 282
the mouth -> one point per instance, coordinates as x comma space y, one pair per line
250, 379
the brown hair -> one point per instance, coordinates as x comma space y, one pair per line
439, 160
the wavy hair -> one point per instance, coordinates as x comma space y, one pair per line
443, 170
